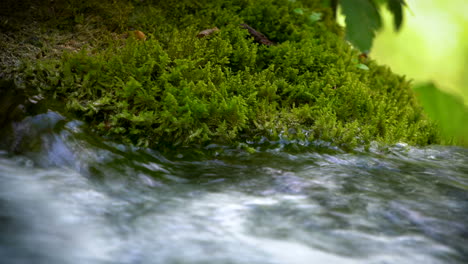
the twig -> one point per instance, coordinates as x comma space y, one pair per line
259, 37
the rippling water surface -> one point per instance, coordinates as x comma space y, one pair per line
67, 197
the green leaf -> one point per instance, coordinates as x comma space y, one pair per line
298, 11
362, 66
396, 7
362, 21
447, 110
315, 16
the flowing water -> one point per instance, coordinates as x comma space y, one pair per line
69, 197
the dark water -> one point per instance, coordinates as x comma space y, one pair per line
68, 197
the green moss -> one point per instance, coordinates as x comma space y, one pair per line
176, 89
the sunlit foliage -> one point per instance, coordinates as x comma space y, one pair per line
176, 89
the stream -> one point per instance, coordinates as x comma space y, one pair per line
67, 196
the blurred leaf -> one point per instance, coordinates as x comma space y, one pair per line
447, 110
362, 21
298, 11
315, 16
396, 7
362, 66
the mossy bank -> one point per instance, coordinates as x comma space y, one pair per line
176, 89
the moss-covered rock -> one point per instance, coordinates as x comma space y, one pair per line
177, 89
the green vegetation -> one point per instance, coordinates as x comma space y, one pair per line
447, 110
175, 89
434, 37
363, 19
